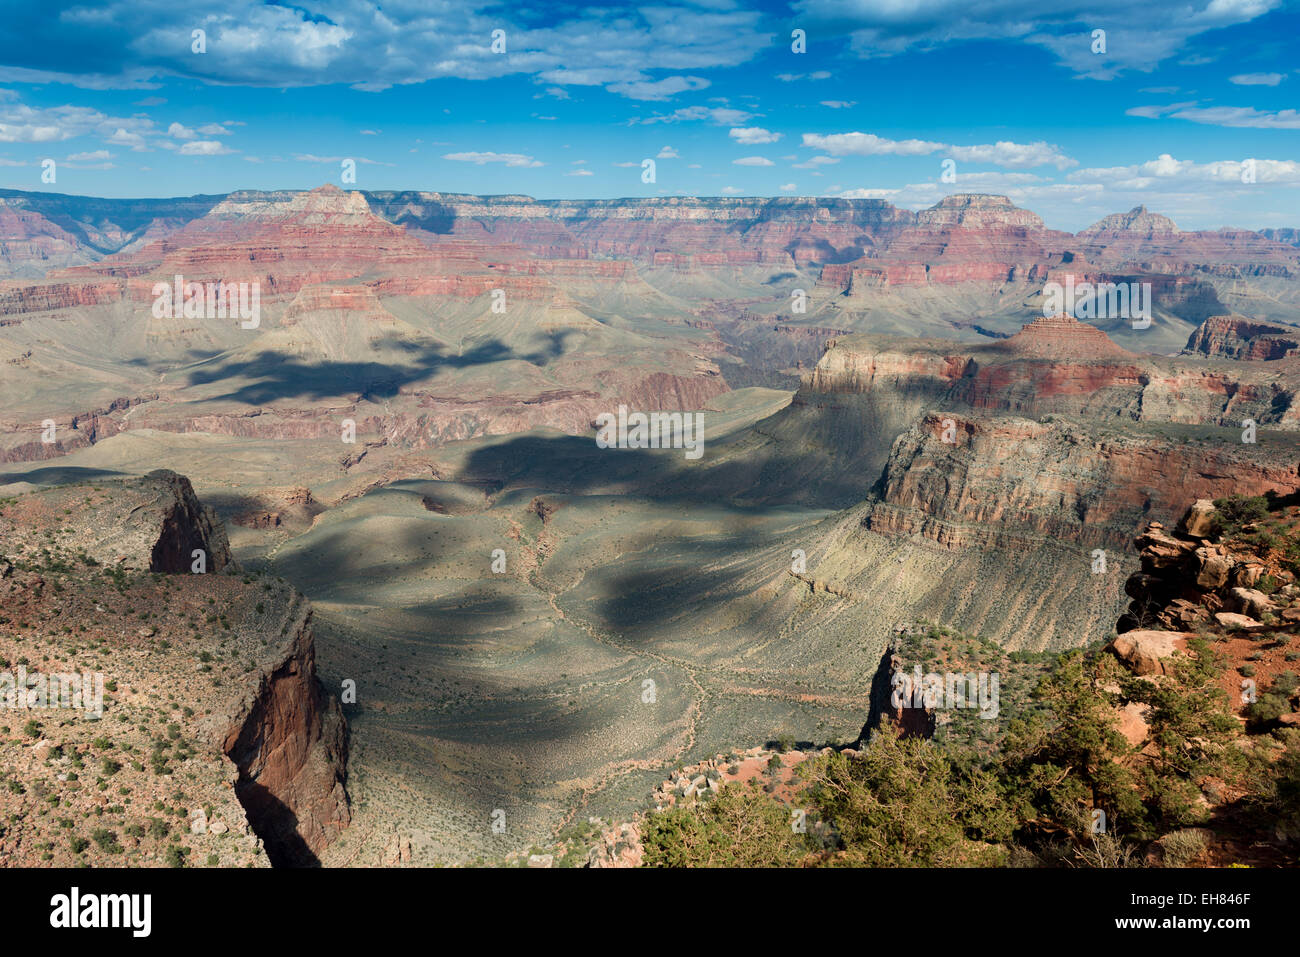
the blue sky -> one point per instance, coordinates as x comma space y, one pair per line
1015, 96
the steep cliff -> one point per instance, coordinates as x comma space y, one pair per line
1236, 337
1011, 482
250, 742
289, 740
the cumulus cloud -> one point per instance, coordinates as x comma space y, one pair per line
20, 123
1165, 171
204, 148
667, 153
867, 144
250, 42
753, 161
1013, 155
753, 135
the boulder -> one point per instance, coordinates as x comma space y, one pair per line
1147, 651
1248, 574
1160, 550
1132, 724
1212, 567
1252, 602
1199, 520
1235, 622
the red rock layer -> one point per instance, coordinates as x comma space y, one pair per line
1235, 337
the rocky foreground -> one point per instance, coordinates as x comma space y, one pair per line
215, 744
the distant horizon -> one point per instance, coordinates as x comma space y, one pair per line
1074, 111
848, 200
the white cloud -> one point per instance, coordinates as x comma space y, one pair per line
279, 45
1241, 117
20, 123
787, 187
839, 104
816, 161
753, 161
793, 77
664, 89
123, 137
1138, 37
95, 156
1155, 112
580, 172
204, 148
1165, 171
867, 144
722, 116
313, 158
731, 190
1003, 153
1257, 79
1013, 155
667, 153
753, 135
479, 159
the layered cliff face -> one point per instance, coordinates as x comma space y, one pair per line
1056, 365
1011, 483
100, 577
1053, 435
417, 339
1235, 337
30, 244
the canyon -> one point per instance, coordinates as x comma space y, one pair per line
429, 595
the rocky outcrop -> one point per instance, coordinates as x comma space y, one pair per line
1146, 651
1236, 337
153, 523
1010, 482
289, 740
1136, 223
911, 721
1189, 581
238, 651
1052, 366
618, 846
